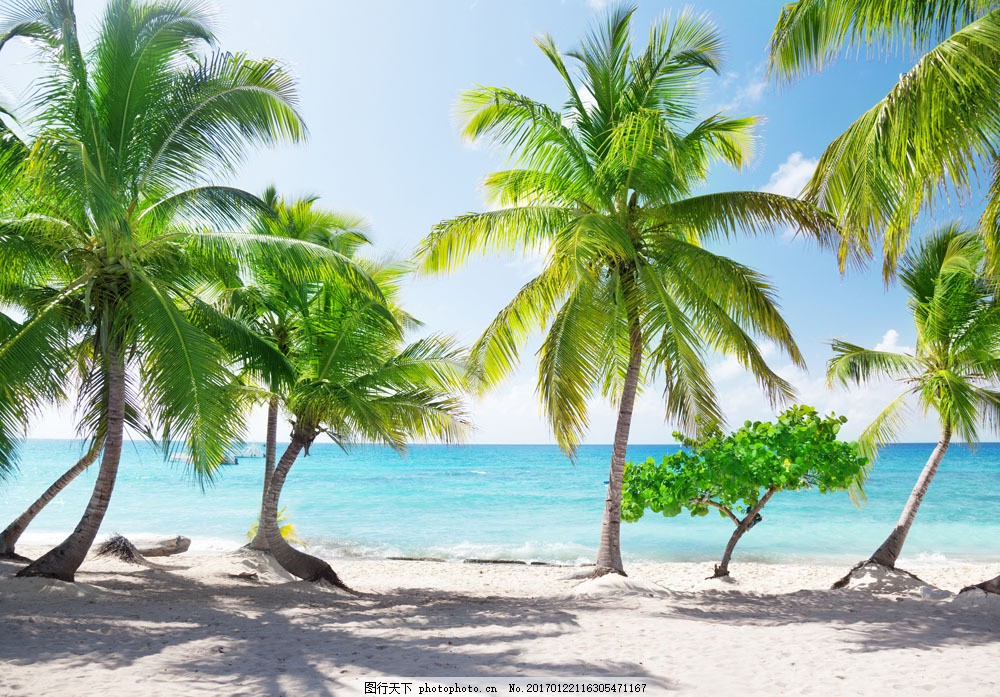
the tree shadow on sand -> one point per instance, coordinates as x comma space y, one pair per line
227, 640
876, 623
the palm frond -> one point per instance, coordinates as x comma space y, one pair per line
569, 366
495, 354
852, 364
185, 384
452, 242
810, 33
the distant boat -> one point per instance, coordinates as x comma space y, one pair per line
231, 458
250, 451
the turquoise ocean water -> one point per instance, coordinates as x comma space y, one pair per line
510, 501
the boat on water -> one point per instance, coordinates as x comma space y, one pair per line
231, 458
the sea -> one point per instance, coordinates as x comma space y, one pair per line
525, 502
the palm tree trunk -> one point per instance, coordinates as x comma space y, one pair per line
259, 541
13, 532
888, 553
63, 561
295, 562
609, 553
722, 568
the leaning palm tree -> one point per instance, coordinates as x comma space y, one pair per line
604, 183
939, 126
357, 382
115, 200
954, 370
270, 301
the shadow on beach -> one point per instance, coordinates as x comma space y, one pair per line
287, 638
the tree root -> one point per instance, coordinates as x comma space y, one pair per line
842, 583
991, 586
719, 573
604, 571
14, 556
330, 576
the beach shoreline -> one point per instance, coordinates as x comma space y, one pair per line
232, 624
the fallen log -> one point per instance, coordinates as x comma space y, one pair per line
166, 548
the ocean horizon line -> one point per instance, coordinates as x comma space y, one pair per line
497, 445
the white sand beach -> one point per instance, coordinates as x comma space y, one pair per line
194, 627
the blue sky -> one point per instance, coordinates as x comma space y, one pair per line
378, 81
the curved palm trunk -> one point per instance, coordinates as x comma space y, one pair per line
63, 561
722, 568
609, 553
888, 553
13, 532
259, 541
295, 562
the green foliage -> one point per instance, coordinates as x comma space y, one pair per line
733, 472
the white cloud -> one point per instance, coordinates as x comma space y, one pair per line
889, 343
791, 176
750, 93
598, 4
753, 92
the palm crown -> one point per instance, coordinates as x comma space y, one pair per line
956, 363
605, 184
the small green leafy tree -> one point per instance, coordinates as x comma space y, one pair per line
739, 473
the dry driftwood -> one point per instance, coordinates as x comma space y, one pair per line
166, 548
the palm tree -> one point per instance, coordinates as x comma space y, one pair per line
114, 200
356, 381
270, 302
938, 126
954, 369
605, 183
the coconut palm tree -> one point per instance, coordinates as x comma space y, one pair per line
115, 199
356, 382
605, 184
954, 370
939, 126
271, 301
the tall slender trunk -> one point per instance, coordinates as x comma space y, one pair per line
13, 532
295, 562
889, 551
609, 553
259, 541
62, 561
722, 568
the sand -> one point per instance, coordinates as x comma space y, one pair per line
195, 627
